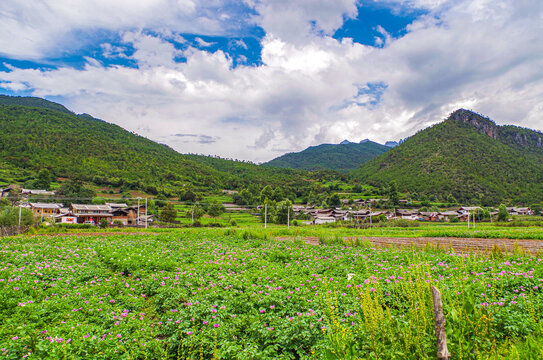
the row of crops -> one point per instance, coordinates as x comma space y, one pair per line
214, 293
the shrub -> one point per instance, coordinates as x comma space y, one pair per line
454, 219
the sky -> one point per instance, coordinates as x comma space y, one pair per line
253, 79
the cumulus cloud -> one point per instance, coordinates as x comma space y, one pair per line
34, 29
311, 88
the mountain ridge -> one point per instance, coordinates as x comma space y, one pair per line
468, 156
344, 156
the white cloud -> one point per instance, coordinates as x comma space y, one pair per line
292, 20
34, 29
483, 55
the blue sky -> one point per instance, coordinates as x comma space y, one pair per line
255, 78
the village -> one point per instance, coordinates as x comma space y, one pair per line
359, 211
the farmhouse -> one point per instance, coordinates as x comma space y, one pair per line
91, 214
519, 211
45, 209
27, 192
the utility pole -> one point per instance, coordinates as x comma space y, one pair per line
370, 213
20, 208
138, 221
468, 218
146, 213
288, 217
193, 214
265, 216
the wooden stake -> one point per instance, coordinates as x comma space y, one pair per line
442, 351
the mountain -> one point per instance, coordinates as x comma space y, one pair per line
342, 157
33, 102
391, 144
468, 156
40, 134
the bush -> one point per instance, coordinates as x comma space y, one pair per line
233, 222
454, 219
196, 223
104, 223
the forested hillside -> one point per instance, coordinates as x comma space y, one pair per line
79, 146
467, 156
340, 157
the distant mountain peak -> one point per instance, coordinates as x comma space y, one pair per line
364, 141
391, 144
345, 142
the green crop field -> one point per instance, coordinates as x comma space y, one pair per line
241, 294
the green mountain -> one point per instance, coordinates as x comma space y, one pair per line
468, 156
33, 102
341, 157
39, 134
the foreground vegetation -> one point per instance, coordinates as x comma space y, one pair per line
233, 294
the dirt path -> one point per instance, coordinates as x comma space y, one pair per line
460, 245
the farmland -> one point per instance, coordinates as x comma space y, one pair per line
234, 294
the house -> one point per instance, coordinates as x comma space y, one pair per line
45, 209
447, 215
469, 209
4, 192
66, 218
146, 219
133, 212
340, 215
359, 215
119, 215
519, 211
91, 214
410, 214
428, 216
34, 192
323, 220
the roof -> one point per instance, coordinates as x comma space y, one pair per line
46, 205
91, 207
407, 211
325, 218
449, 213
117, 205
37, 192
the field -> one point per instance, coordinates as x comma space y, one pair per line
243, 294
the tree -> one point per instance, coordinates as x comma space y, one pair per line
195, 212
43, 180
168, 213
333, 200
266, 193
451, 199
357, 188
503, 215
74, 190
215, 210
9, 216
188, 195
283, 212
393, 195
